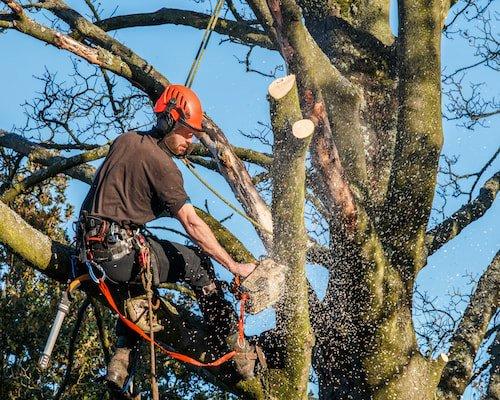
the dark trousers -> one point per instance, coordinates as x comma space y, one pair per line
177, 263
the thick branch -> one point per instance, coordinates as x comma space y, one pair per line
468, 213
232, 168
37, 249
94, 55
57, 167
419, 136
151, 80
470, 333
236, 29
290, 240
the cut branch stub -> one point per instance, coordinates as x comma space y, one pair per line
303, 128
281, 86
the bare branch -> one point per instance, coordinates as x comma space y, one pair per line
470, 333
240, 30
43, 156
56, 168
252, 156
494, 383
470, 212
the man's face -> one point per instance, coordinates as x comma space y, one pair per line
179, 139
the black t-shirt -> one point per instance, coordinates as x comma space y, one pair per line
137, 182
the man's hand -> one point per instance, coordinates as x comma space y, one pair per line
243, 270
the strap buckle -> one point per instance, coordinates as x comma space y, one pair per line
90, 266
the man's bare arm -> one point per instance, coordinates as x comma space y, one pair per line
201, 233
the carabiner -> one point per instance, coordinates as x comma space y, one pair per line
90, 267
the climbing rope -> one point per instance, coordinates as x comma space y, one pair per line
191, 168
204, 43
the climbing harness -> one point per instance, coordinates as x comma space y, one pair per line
144, 261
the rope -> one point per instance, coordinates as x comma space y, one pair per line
104, 289
191, 168
172, 354
204, 43
145, 261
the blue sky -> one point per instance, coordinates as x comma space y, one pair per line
236, 100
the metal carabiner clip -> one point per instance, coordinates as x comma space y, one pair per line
90, 266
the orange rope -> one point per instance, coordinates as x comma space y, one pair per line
181, 357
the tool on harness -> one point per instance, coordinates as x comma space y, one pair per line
62, 311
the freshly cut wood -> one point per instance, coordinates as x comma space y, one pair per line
303, 128
281, 86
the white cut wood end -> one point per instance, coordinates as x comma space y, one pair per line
281, 86
303, 128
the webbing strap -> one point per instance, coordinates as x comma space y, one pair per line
181, 357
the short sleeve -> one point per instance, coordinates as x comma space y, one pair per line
166, 181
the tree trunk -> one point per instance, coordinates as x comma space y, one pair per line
290, 246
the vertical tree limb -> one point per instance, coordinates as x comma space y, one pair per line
493, 392
470, 333
290, 243
419, 136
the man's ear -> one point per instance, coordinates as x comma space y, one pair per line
165, 123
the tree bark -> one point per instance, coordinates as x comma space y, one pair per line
290, 247
470, 333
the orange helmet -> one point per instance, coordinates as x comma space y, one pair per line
183, 105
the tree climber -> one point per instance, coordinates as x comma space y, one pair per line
138, 182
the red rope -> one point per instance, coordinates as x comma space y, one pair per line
178, 356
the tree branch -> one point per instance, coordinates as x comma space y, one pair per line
419, 133
235, 29
252, 156
57, 167
494, 383
42, 156
470, 333
468, 213
240, 181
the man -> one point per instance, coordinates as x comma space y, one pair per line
137, 183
